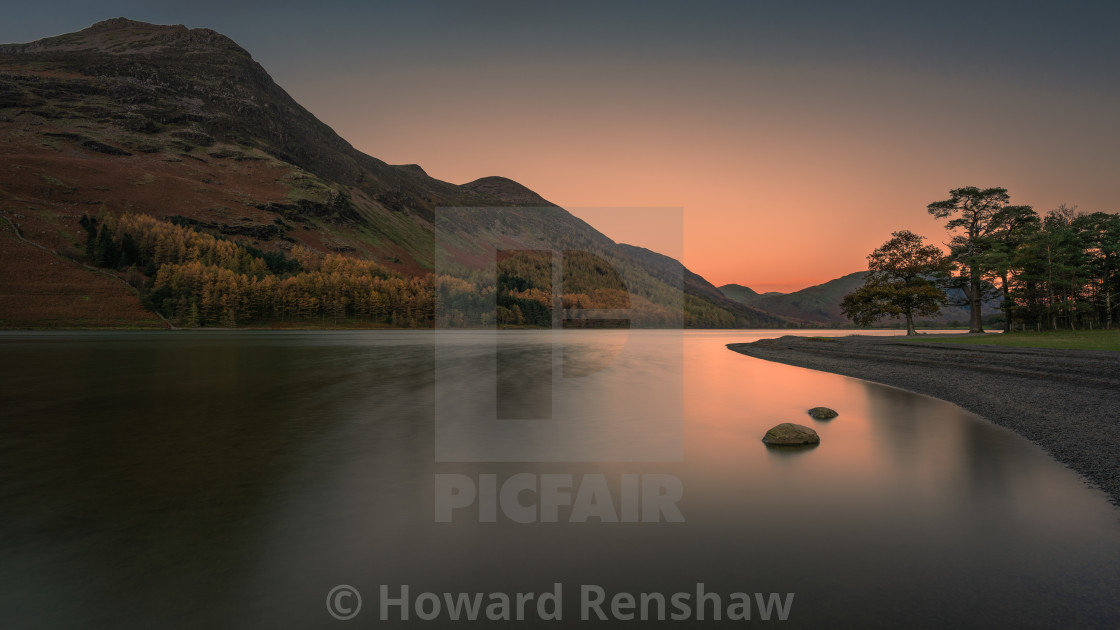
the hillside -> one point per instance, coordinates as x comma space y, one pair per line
739, 293
818, 304
699, 289
184, 126
507, 191
173, 121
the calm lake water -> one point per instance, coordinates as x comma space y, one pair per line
232, 479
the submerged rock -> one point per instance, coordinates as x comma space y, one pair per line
823, 413
790, 434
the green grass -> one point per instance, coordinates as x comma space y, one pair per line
305, 186
1062, 339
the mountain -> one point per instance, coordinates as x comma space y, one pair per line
507, 191
820, 304
181, 124
739, 293
704, 295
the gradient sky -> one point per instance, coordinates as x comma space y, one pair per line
796, 136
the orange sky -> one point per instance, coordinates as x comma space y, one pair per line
788, 177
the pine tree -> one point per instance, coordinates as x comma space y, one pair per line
900, 282
106, 253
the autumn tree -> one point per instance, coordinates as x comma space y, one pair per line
900, 282
975, 216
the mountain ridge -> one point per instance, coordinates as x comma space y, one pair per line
183, 124
820, 304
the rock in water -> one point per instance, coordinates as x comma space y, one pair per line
790, 434
823, 413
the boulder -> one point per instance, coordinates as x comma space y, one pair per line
790, 434
823, 413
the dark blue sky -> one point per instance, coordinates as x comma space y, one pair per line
1056, 42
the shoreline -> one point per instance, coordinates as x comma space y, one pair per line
1065, 401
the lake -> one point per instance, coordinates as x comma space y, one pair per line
234, 478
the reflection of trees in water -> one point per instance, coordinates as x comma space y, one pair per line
896, 414
524, 381
926, 432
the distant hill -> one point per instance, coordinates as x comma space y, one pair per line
820, 304
739, 293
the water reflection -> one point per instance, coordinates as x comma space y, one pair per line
230, 480
787, 450
524, 380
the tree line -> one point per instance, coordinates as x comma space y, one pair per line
1058, 270
197, 279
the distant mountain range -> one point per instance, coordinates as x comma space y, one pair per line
183, 125
820, 304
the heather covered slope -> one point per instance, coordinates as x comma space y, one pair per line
175, 121
63, 294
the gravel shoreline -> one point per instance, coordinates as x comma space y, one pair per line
1066, 401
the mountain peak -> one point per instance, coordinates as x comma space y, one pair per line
119, 23
507, 190
122, 36
739, 288
414, 169
739, 293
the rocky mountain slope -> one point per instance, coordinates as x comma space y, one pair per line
183, 125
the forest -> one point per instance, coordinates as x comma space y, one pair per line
1061, 270
198, 279
1055, 271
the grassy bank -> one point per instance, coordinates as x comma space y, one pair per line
1061, 339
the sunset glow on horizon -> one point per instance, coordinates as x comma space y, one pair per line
796, 137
